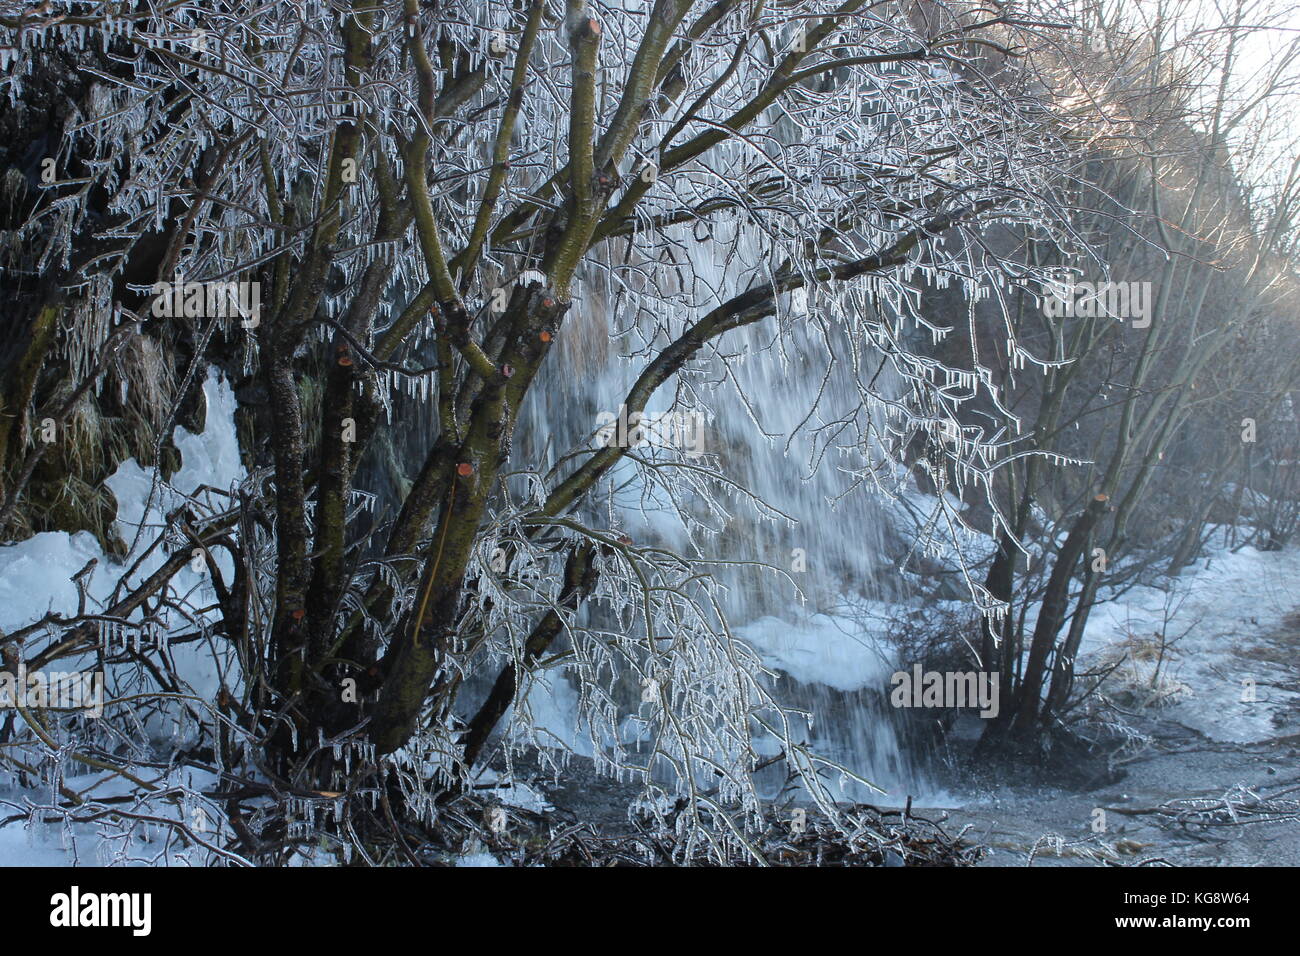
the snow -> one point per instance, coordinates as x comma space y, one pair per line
512, 794
55, 844
35, 579
35, 574
20, 847
1231, 601
822, 649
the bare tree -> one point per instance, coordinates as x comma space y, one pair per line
1182, 185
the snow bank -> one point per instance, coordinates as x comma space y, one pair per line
35, 574
1224, 614
35, 579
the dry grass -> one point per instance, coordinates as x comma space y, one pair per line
1145, 672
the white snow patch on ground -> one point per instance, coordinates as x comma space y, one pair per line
35, 578
35, 575
20, 847
58, 844
1230, 602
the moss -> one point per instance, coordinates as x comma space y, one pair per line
171, 460
117, 421
246, 435
72, 505
311, 397
22, 377
193, 412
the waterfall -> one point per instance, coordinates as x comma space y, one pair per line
823, 624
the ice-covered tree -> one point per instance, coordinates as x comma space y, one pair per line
430, 198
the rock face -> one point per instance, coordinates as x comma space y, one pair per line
54, 329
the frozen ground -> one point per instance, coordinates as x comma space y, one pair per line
1199, 792
35, 578
1186, 799
1229, 672
53, 842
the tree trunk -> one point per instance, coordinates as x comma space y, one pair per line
1051, 617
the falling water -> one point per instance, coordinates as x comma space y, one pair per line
823, 626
